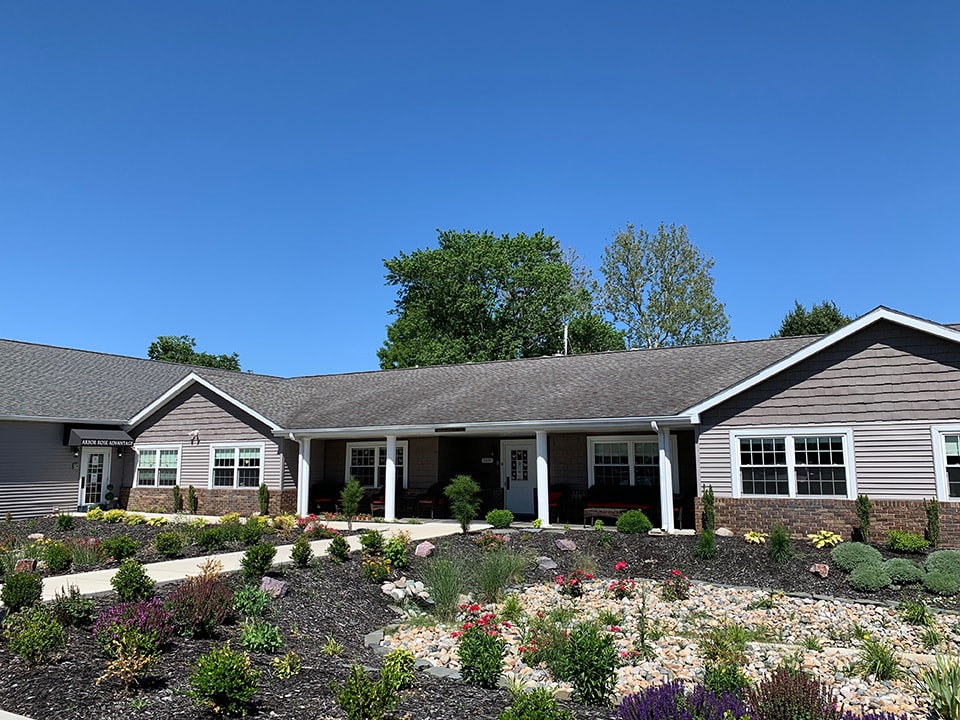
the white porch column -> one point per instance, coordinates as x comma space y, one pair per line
666, 480
303, 477
390, 481
543, 484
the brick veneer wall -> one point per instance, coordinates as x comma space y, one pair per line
209, 502
742, 515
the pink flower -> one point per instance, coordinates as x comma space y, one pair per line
620, 566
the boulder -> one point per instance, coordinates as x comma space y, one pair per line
424, 549
566, 545
546, 563
25, 565
723, 532
273, 587
821, 569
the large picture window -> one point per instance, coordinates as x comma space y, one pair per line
622, 461
800, 463
367, 462
236, 466
158, 465
946, 440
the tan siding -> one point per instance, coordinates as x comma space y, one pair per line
217, 422
713, 461
37, 473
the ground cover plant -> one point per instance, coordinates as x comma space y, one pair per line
331, 605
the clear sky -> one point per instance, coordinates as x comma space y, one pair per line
238, 171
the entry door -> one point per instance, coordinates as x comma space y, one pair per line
94, 474
519, 463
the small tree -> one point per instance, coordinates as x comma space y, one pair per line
177, 500
464, 496
191, 500
864, 509
821, 319
350, 498
263, 496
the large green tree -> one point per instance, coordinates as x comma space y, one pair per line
180, 349
819, 320
659, 288
479, 296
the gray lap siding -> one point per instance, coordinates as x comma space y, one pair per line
37, 474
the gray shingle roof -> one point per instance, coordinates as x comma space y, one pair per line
41, 381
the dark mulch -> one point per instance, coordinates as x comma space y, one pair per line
332, 600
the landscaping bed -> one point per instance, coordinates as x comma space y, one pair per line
335, 602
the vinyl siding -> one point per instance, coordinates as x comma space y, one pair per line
37, 473
217, 422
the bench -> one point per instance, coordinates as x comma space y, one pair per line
613, 501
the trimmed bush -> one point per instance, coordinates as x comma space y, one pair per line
21, 590
849, 555
941, 583
121, 547
500, 518
251, 533
371, 542
301, 553
57, 556
212, 538
633, 522
263, 499
361, 698
398, 668
35, 635
869, 577
947, 561
906, 542
131, 583
706, 548
168, 544
903, 571
257, 560
338, 549
779, 547
932, 509
225, 681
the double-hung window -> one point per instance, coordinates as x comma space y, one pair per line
946, 447
796, 463
236, 466
621, 461
158, 465
367, 462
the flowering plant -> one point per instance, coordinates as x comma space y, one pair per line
676, 586
481, 648
622, 588
757, 538
572, 585
144, 625
620, 567
824, 538
490, 541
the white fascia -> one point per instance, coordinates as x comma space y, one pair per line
185, 383
880, 313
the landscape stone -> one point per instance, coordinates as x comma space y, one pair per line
25, 565
566, 545
546, 563
273, 587
723, 532
821, 569
424, 549
35, 536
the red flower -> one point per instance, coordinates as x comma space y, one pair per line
620, 566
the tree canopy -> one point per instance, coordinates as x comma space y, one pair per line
659, 288
821, 319
180, 349
479, 296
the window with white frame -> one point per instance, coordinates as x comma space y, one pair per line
623, 461
800, 463
236, 466
158, 465
947, 449
367, 462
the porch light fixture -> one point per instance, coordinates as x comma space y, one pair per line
76, 451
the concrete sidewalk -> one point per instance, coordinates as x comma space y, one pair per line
98, 581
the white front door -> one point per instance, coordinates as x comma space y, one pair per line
518, 460
94, 474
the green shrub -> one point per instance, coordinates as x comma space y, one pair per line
849, 555
722, 678
301, 553
395, 550
495, 571
338, 549
200, 605
121, 547
371, 542
500, 518
35, 635
191, 500
947, 561
176, 501
141, 627
709, 509
261, 637
864, 509
113, 516
212, 538
941, 583
251, 533
869, 577
360, 698
915, 612
591, 662
251, 601
932, 509
536, 704
263, 498
779, 547
21, 590
225, 681
168, 544
131, 583
57, 556
64, 522
903, 571
481, 650
464, 496
942, 684
350, 497
375, 568
633, 522
907, 542
398, 668
706, 548
724, 644
257, 560
71, 609
444, 580
878, 659
94, 514
791, 695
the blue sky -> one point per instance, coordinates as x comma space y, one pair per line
238, 171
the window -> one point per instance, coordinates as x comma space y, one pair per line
946, 441
797, 463
367, 462
623, 461
158, 466
236, 466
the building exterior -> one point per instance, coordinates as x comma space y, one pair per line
789, 429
